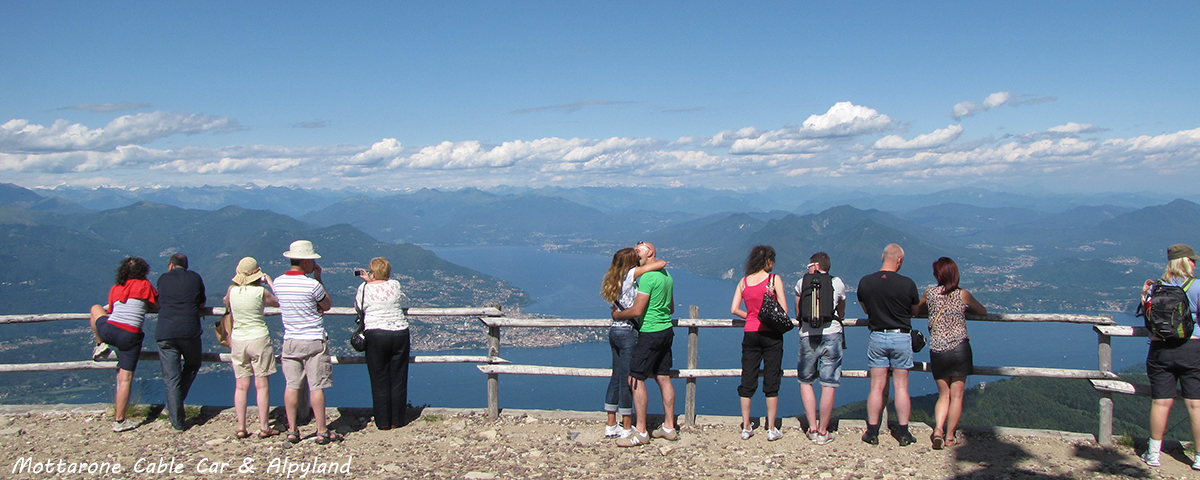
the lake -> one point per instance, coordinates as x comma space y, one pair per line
567, 285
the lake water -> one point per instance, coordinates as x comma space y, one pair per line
567, 285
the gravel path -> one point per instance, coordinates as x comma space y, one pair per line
449, 443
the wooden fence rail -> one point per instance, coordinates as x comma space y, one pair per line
492, 365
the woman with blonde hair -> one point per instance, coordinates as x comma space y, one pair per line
1174, 365
762, 348
388, 342
620, 288
250, 350
949, 347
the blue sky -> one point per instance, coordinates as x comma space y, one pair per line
1081, 96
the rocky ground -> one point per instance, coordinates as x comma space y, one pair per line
449, 444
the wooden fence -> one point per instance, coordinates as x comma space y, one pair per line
493, 365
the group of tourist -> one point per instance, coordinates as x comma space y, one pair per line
641, 342
641, 291
301, 298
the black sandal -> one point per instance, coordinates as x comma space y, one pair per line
324, 438
293, 437
241, 434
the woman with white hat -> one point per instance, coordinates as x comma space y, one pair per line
251, 352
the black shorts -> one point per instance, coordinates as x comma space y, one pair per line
1170, 368
129, 344
652, 354
955, 362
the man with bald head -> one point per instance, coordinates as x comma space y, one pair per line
654, 305
890, 300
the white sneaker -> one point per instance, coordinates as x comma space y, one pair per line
746, 434
124, 425
1151, 459
612, 431
812, 435
101, 352
1196, 463
823, 439
773, 435
625, 432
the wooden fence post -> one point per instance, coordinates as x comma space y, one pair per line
689, 403
493, 382
1104, 350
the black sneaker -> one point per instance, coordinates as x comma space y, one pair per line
871, 439
905, 438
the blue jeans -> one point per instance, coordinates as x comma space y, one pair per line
619, 397
178, 374
821, 357
890, 350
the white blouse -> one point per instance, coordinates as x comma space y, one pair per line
381, 301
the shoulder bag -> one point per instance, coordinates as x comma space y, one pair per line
771, 313
358, 339
224, 327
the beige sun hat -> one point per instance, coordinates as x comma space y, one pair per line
248, 271
301, 250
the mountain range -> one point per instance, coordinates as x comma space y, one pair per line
1015, 249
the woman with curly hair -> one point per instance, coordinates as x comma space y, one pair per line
119, 324
762, 348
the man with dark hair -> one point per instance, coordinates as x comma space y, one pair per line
181, 301
890, 300
820, 349
654, 304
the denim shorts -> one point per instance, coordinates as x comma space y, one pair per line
890, 350
820, 357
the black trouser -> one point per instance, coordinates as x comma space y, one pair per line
765, 349
387, 365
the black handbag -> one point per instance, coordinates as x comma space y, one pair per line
358, 340
918, 340
772, 314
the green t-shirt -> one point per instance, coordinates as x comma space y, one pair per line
661, 288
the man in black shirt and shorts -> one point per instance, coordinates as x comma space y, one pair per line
889, 300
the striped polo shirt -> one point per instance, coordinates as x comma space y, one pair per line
298, 296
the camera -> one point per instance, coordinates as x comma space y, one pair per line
358, 272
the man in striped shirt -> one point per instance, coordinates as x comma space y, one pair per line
304, 355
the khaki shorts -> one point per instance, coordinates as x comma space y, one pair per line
306, 359
252, 358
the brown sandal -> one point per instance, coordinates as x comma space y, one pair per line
241, 434
268, 433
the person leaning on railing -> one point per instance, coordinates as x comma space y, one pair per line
1171, 364
250, 350
388, 343
949, 347
119, 324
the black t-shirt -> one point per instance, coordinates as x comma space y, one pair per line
180, 299
888, 298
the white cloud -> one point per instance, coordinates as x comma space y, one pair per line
967, 109
1073, 128
939, 137
19, 135
845, 119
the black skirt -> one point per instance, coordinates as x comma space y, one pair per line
956, 362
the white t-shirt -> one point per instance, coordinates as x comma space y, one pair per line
628, 295
298, 296
839, 297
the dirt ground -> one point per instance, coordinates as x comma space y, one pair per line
75, 442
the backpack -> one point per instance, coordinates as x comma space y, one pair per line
1168, 312
816, 299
